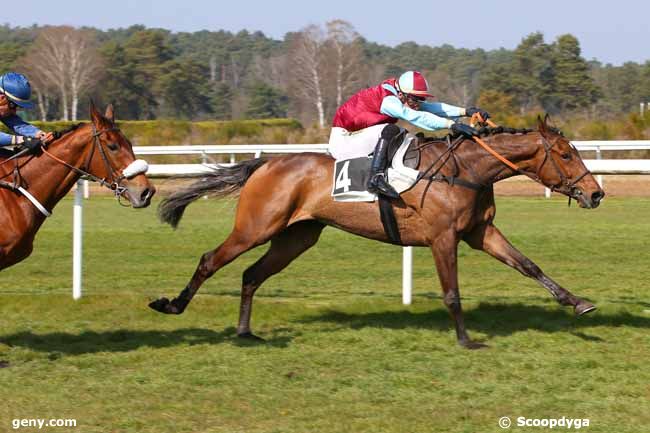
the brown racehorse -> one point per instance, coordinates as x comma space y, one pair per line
286, 200
98, 150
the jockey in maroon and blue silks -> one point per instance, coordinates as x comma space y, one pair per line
367, 120
15, 92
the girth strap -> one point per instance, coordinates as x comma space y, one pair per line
388, 220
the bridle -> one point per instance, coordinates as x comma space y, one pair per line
566, 184
114, 181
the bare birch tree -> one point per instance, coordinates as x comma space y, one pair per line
41, 86
67, 60
307, 68
346, 54
84, 65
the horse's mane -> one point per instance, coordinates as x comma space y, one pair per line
485, 131
71, 128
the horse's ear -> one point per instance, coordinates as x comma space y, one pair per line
109, 113
541, 124
95, 115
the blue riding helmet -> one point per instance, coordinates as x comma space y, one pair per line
17, 89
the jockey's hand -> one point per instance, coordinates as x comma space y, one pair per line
32, 143
473, 110
46, 137
462, 129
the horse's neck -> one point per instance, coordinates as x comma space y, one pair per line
48, 180
485, 168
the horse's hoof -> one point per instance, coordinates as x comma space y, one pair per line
584, 307
472, 345
250, 336
163, 305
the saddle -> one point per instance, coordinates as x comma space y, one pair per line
351, 175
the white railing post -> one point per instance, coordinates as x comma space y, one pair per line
407, 275
599, 178
77, 240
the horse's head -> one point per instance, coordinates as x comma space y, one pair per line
560, 167
111, 158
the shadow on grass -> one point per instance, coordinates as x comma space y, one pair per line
491, 319
125, 340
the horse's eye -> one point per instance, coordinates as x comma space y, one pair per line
566, 156
113, 146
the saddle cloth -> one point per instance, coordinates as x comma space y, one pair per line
351, 175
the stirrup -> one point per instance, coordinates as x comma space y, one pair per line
378, 185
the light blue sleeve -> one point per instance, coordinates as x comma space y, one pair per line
392, 106
20, 127
5, 139
443, 110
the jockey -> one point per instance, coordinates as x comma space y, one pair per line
367, 120
15, 92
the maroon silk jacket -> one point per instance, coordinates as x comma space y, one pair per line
362, 109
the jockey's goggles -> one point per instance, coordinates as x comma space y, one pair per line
415, 98
12, 105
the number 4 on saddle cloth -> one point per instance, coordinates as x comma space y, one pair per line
351, 175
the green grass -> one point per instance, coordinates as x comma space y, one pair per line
342, 353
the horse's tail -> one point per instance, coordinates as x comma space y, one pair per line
222, 182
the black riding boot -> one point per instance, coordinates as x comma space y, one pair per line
378, 182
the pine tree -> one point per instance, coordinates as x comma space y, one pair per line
574, 86
266, 102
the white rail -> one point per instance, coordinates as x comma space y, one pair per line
597, 166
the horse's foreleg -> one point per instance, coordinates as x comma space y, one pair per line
445, 253
489, 239
285, 247
235, 245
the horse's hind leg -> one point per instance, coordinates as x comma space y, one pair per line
285, 247
235, 244
488, 238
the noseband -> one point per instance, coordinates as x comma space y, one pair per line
114, 182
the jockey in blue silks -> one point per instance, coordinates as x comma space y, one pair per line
15, 92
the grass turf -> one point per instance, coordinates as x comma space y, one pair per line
342, 353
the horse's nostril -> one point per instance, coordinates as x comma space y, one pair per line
146, 194
597, 196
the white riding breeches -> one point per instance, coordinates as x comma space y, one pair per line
345, 144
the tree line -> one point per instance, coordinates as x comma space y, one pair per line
151, 73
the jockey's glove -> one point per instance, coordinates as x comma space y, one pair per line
32, 143
469, 112
462, 129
